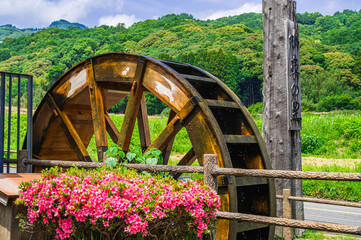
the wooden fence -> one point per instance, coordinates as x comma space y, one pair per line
211, 170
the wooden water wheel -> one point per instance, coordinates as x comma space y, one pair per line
75, 109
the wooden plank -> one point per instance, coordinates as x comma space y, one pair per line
9, 182
42, 126
78, 107
165, 86
143, 125
248, 226
197, 78
182, 118
221, 104
133, 105
243, 139
97, 110
168, 149
111, 128
70, 132
117, 86
250, 181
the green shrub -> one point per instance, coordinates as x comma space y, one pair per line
311, 142
256, 108
343, 102
350, 128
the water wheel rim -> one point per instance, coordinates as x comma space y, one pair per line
106, 77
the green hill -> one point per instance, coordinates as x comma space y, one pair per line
13, 32
63, 24
230, 48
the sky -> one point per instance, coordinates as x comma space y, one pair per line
40, 13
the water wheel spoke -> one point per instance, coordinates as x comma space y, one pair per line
187, 160
181, 119
143, 125
71, 134
98, 112
133, 106
111, 128
168, 149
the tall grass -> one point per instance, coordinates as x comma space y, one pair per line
13, 132
333, 135
329, 135
339, 190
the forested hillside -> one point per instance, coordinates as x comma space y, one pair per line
230, 48
11, 31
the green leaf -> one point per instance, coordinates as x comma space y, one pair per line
112, 151
111, 162
121, 153
107, 152
152, 161
147, 153
131, 156
137, 152
156, 152
141, 159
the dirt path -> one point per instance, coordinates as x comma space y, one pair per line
329, 161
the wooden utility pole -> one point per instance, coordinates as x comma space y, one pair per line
281, 95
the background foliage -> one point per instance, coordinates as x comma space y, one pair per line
229, 48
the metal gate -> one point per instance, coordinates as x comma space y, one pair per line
13, 88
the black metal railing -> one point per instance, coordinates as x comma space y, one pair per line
9, 92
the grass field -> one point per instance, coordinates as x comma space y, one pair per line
318, 235
327, 135
338, 190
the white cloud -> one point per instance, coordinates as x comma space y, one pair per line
43, 12
120, 18
332, 6
247, 7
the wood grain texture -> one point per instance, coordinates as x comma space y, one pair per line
143, 125
97, 111
284, 146
70, 132
132, 108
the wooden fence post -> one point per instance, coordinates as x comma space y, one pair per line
210, 162
287, 231
23, 155
281, 92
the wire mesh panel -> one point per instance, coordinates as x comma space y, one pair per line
16, 95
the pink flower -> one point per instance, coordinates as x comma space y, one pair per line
102, 198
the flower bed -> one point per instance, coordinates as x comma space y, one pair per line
113, 204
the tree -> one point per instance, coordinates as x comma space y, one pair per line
4, 54
327, 23
53, 74
357, 67
308, 18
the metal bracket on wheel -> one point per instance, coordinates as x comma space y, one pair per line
226, 180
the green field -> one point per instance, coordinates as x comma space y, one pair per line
334, 135
328, 135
